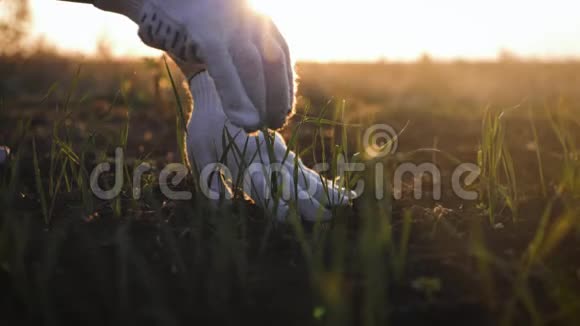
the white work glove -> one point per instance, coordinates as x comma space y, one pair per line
246, 158
245, 53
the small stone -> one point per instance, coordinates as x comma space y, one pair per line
440, 211
499, 226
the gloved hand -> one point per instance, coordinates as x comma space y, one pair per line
212, 141
245, 53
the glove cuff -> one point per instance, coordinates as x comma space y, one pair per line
204, 92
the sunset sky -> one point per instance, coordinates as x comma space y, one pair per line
339, 30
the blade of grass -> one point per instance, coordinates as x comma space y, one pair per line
182, 124
538, 151
38, 179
